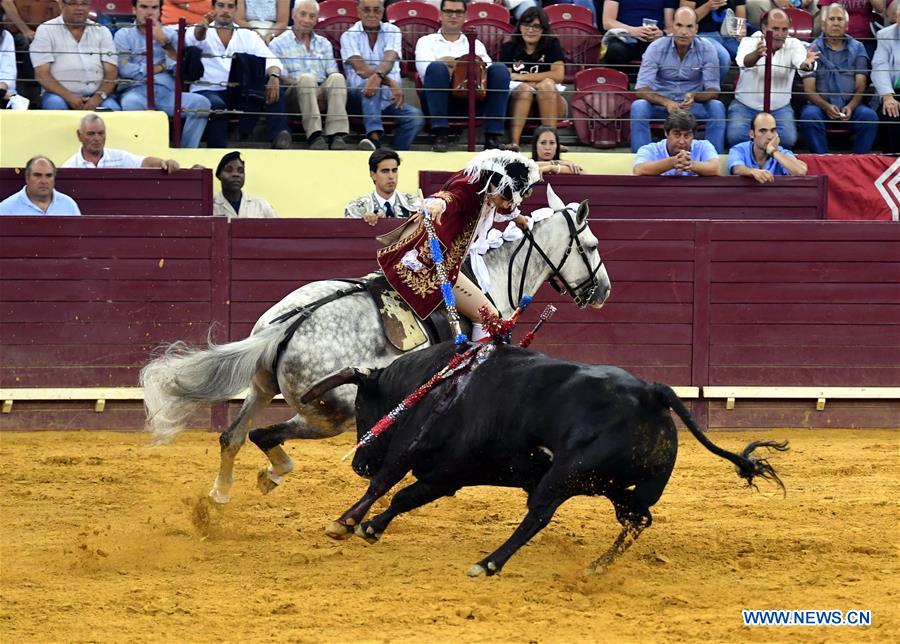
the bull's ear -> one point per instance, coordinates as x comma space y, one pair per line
582, 214
346, 376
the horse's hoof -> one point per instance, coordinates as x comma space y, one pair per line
337, 530
367, 532
476, 571
217, 497
264, 482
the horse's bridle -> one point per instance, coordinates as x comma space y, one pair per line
557, 281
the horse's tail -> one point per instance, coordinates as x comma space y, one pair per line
748, 466
182, 378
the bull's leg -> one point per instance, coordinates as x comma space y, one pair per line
232, 439
381, 483
633, 513
409, 498
547, 497
629, 534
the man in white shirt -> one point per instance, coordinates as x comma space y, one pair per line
384, 201
789, 57
371, 52
219, 45
94, 153
75, 61
436, 56
232, 201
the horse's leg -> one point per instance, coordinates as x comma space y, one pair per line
232, 439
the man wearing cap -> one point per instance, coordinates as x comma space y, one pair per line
232, 201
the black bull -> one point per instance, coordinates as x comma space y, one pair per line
554, 428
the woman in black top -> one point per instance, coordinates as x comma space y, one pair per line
536, 64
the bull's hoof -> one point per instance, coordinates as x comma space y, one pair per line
483, 567
337, 530
367, 532
264, 482
476, 571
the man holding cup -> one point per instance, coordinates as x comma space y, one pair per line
723, 23
632, 26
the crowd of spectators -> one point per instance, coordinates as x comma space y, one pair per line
255, 59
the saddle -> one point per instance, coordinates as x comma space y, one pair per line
402, 328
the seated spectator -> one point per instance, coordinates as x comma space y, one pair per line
384, 201
371, 51
679, 153
756, 9
711, 22
886, 78
191, 10
837, 89
537, 67
633, 35
860, 14
789, 56
232, 202
762, 157
268, 18
7, 68
312, 79
75, 61
679, 71
545, 151
436, 56
39, 196
22, 18
220, 45
94, 153
131, 43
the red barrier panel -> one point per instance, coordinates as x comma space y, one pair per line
860, 186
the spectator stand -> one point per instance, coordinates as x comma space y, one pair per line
569, 13
490, 31
414, 19
335, 17
601, 107
487, 10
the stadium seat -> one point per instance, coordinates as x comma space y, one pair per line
414, 19
485, 10
801, 23
601, 107
412, 9
569, 12
581, 44
491, 32
601, 77
337, 8
332, 27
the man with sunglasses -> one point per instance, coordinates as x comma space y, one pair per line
436, 56
75, 61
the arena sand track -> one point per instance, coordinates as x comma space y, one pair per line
105, 538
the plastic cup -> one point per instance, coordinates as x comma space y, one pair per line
649, 22
736, 26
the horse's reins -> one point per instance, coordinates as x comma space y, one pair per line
557, 281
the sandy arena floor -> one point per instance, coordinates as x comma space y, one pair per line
105, 538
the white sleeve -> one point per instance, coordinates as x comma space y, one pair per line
481, 52
424, 55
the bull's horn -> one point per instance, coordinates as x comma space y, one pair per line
553, 201
347, 375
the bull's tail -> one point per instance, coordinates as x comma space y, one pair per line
182, 378
748, 466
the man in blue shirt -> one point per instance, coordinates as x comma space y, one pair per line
39, 196
762, 157
679, 154
131, 43
837, 89
679, 71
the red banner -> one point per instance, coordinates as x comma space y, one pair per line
860, 186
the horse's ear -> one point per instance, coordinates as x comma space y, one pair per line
582, 214
346, 376
553, 201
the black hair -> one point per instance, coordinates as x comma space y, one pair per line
756, 116
680, 120
228, 158
382, 154
134, 4
528, 16
465, 3
537, 134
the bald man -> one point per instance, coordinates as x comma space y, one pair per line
94, 153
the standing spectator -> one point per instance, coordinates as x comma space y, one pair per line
23, 17
232, 201
94, 153
131, 43
679, 154
886, 78
788, 57
436, 56
629, 18
268, 18
39, 196
537, 65
7, 67
679, 71
384, 201
312, 79
711, 20
75, 61
221, 44
545, 152
861, 13
371, 51
756, 9
836, 90
762, 157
